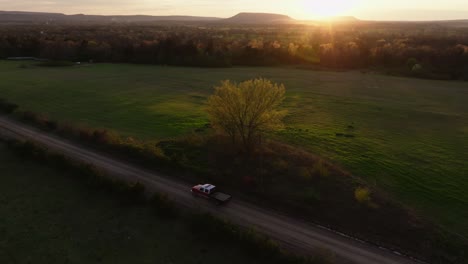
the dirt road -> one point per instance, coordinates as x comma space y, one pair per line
301, 236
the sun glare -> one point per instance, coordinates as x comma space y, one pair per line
328, 8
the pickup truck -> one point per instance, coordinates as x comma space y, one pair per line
209, 191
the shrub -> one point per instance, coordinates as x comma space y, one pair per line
134, 192
29, 116
194, 139
304, 173
7, 107
417, 68
51, 125
311, 196
362, 195
131, 193
321, 169
212, 228
163, 205
248, 181
85, 134
209, 226
58, 160
152, 150
27, 149
280, 165
105, 137
39, 120
411, 62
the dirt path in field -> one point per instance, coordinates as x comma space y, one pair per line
300, 236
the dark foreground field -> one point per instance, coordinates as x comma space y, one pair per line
47, 216
407, 136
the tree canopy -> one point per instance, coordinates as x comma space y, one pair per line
442, 51
247, 110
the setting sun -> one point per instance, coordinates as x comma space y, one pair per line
323, 9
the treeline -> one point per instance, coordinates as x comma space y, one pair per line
431, 52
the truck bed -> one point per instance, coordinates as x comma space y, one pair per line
221, 197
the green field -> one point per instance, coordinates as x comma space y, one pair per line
409, 136
48, 217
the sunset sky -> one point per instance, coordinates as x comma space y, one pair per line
299, 9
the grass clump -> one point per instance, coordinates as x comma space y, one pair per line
362, 195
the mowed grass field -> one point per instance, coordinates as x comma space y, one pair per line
407, 136
47, 216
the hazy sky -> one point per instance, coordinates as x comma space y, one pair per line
299, 9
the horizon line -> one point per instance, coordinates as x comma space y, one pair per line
184, 15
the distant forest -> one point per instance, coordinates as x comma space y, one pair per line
414, 49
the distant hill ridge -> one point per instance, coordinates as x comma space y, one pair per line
20, 16
259, 18
241, 18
